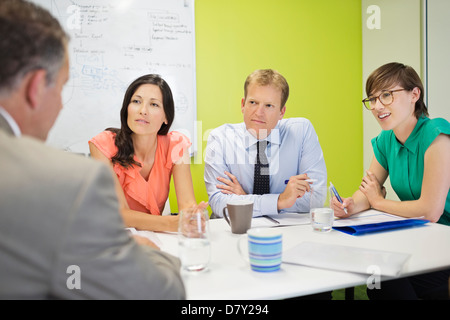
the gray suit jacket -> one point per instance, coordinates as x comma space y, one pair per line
61, 234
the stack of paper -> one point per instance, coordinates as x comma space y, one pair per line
281, 219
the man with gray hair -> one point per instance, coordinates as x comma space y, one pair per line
61, 233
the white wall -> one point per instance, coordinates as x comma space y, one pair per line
392, 32
438, 57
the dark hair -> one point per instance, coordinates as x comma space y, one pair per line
30, 39
395, 73
123, 141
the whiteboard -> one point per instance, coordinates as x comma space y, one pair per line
113, 42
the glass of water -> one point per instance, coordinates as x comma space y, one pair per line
193, 239
321, 213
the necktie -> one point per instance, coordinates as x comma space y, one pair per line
261, 181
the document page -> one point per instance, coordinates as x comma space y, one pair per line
366, 217
282, 219
293, 218
147, 234
345, 258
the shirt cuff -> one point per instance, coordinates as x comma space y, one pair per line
268, 204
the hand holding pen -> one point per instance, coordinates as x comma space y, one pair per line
338, 197
340, 205
295, 188
298, 182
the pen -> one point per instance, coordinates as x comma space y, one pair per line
337, 195
271, 219
307, 180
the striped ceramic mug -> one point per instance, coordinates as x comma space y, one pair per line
264, 249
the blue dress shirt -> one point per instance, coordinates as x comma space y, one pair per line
293, 149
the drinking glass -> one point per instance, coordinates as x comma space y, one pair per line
193, 239
321, 213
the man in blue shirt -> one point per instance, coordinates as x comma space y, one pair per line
293, 153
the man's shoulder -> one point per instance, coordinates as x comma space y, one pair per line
226, 128
295, 126
295, 122
27, 152
53, 180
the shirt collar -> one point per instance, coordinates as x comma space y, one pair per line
11, 122
250, 140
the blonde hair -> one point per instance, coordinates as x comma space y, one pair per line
265, 77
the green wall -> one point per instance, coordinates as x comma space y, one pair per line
315, 44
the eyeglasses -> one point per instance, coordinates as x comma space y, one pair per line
386, 98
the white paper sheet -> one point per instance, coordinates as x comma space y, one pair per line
366, 217
147, 234
345, 258
282, 219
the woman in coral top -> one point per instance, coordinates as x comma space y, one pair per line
144, 155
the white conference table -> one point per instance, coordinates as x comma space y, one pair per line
229, 276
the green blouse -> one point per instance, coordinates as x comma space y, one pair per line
405, 163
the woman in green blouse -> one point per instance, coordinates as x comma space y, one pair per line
412, 149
